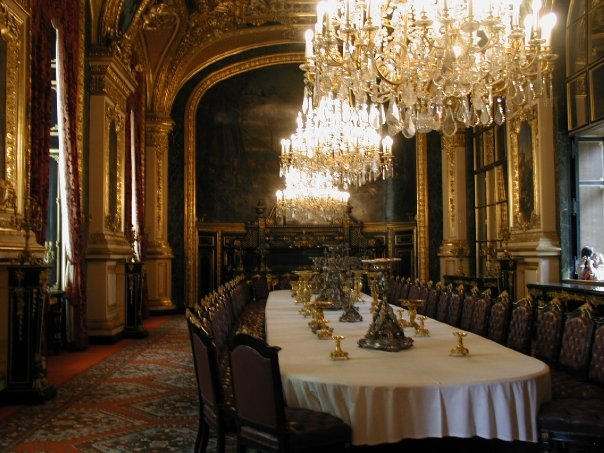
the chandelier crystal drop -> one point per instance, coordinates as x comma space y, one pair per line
310, 198
429, 65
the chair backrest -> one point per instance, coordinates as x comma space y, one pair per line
480, 316
405, 288
442, 306
221, 319
467, 311
414, 291
240, 297
256, 381
432, 301
596, 363
424, 292
499, 319
577, 332
520, 330
453, 316
260, 287
205, 362
549, 321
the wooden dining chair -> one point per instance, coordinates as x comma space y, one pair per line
432, 300
216, 410
453, 316
467, 309
499, 319
442, 306
576, 422
480, 317
520, 331
264, 421
549, 321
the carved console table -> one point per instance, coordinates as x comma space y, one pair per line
24, 295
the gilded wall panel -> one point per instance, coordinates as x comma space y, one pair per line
13, 111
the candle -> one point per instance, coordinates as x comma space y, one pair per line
308, 36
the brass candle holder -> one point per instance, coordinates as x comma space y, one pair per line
319, 324
459, 350
337, 353
421, 330
412, 305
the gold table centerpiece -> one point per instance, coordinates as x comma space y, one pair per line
384, 332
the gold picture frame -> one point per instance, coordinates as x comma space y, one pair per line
524, 142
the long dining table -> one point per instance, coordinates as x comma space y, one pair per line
419, 392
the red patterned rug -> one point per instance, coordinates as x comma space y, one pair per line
141, 399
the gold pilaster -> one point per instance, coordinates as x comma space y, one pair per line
454, 250
158, 258
423, 252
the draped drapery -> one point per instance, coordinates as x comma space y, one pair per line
64, 15
134, 144
41, 109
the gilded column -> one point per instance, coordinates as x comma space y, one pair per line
158, 253
421, 152
454, 250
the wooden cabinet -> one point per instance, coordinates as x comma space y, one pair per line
24, 295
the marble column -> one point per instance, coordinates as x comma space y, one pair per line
158, 253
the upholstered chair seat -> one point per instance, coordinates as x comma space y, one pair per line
573, 420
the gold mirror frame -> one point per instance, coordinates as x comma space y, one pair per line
524, 142
115, 121
16, 144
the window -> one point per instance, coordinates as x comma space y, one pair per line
590, 193
491, 204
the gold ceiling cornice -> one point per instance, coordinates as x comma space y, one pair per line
193, 39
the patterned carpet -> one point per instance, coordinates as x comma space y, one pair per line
142, 399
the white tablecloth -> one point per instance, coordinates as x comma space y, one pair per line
419, 392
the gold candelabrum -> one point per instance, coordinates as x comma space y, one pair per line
384, 332
134, 239
29, 222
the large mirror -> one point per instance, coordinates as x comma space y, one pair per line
525, 177
113, 170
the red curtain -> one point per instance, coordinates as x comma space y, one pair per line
65, 16
41, 108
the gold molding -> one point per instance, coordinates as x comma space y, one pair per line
190, 183
421, 151
113, 218
524, 221
15, 180
157, 138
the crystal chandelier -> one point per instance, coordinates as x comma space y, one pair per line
337, 141
310, 198
424, 65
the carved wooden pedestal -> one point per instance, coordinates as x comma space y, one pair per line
135, 277
25, 288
